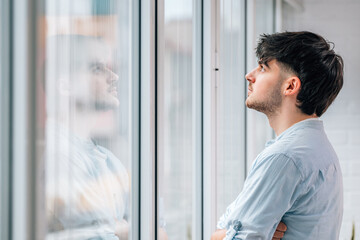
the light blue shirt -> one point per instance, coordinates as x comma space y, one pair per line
296, 179
87, 187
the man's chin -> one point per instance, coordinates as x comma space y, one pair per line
107, 105
254, 106
248, 103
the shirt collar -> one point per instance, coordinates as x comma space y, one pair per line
311, 122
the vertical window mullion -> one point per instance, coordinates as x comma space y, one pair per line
135, 199
25, 168
197, 81
147, 120
209, 105
5, 120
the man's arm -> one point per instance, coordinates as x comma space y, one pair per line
270, 190
279, 233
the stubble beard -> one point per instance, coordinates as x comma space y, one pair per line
270, 105
97, 105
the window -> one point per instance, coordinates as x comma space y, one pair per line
230, 108
178, 125
240, 133
110, 115
261, 20
85, 117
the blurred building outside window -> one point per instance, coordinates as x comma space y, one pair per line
175, 120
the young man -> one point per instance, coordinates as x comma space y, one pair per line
297, 178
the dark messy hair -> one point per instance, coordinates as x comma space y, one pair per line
311, 58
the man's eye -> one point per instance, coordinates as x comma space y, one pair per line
97, 69
262, 69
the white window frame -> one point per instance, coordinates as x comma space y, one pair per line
25, 188
134, 117
209, 117
147, 119
197, 120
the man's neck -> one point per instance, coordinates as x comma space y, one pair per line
81, 124
285, 119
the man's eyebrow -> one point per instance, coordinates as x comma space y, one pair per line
262, 62
97, 64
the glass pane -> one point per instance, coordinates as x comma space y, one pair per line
85, 120
264, 17
175, 121
259, 131
230, 126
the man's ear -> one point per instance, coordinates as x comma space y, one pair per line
292, 86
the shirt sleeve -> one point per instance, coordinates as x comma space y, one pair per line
222, 224
270, 190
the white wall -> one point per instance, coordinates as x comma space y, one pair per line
339, 22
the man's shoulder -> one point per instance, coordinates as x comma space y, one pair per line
309, 150
274, 158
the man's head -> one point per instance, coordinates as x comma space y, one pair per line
78, 71
306, 62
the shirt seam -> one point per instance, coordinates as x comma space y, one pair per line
292, 160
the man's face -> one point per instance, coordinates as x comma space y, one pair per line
104, 86
264, 90
95, 85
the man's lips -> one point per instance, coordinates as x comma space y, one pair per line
113, 90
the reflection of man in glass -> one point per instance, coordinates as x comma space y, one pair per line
87, 187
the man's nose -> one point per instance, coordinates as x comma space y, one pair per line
113, 76
250, 76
